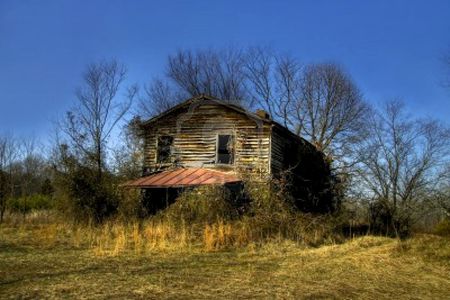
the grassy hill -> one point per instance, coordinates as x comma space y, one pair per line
44, 261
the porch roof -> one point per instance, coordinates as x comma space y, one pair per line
183, 177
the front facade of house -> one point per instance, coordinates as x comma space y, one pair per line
204, 133
206, 141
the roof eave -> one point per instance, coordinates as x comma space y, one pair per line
202, 97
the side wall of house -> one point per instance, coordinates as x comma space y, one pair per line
195, 130
287, 150
308, 171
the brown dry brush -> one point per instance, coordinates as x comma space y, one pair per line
205, 218
218, 221
273, 215
270, 215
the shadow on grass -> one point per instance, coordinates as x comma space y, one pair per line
37, 276
7, 247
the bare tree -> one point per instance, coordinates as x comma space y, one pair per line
440, 200
216, 73
259, 73
332, 113
219, 73
318, 102
274, 83
8, 155
33, 167
402, 161
128, 156
98, 110
159, 96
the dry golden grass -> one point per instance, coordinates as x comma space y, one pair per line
219, 260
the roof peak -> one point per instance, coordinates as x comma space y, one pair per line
203, 97
237, 108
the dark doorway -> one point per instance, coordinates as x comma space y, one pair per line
155, 199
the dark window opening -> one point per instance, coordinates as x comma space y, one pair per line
164, 148
225, 149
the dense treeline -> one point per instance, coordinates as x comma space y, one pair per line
25, 177
391, 168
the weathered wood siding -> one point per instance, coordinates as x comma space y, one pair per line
309, 173
285, 150
195, 138
289, 151
278, 143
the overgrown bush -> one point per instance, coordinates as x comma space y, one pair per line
386, 220
443, 228
130, 206
84, 191
270, 209
213, 214
272, 214
4, 191
85, 197
27, 204
204, 204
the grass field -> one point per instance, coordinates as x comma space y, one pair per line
39, 261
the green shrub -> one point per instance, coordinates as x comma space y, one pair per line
88, 197
26, 204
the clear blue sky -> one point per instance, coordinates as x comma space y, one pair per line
391, 48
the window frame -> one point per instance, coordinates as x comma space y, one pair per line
157, 152
232, 153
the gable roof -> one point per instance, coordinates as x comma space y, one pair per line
206, 98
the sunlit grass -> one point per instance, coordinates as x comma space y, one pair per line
52, 259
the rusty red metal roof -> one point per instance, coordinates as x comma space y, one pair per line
183, 177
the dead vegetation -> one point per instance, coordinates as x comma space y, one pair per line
198, 249
45, 258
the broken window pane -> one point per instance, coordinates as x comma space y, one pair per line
225, 149
164, 148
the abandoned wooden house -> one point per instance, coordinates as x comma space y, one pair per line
206, 141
